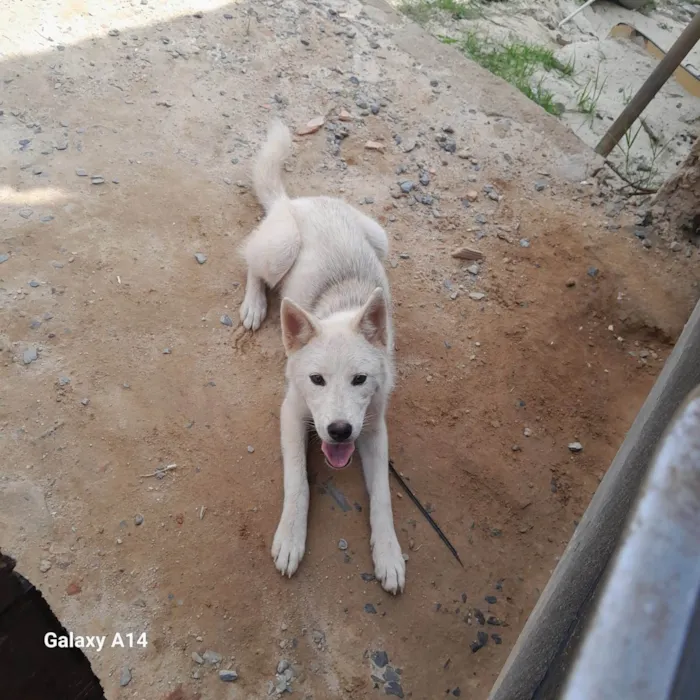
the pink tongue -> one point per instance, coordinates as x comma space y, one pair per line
339, 455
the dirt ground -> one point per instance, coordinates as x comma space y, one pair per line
115, 360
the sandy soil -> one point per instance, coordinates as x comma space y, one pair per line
607, 71
114, 360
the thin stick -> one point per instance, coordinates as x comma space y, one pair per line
425, 513
159, 472
52, 429
575, 12
640, 190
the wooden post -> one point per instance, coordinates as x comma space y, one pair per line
680, 49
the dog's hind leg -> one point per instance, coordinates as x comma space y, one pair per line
375, 235
270, 252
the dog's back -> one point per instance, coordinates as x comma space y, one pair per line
339, 260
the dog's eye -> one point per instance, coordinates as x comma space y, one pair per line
359, 379
318, 380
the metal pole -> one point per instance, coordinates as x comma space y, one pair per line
680, 49
643, 637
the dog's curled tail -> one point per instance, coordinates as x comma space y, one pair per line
267, 169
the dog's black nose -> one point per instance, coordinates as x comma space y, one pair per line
340, 430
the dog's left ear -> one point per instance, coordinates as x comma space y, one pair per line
372, 320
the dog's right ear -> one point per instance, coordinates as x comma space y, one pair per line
298, 327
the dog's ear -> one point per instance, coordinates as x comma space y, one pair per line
298, 327
372, 320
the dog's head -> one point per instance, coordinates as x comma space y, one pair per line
338, 365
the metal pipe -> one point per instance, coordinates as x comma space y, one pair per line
646, 621
680, 49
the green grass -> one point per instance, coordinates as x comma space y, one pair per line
588, 96
516, 62
422, 11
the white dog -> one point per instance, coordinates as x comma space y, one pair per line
336, 327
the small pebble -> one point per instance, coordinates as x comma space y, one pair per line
370, 609
477, 296
226, 320
197, 658
575, 446
282, 666
25, 213
125, 677
97, 180
44, 565
228, 676
4, 257
30, 356
406, 186
342, 545
200, 258
540, 185
212, 657
380, 658
167, 351
251, 449
524, 243
571, 282
491, 599
138, 520
527, 432
393, 688
592, 271
80, 172
34, 284
85, 402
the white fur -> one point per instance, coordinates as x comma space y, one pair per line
326, 258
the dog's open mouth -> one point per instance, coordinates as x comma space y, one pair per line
338, 455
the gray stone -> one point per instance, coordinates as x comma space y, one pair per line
167, 351
125, 677
4, 257
380, 658
593, 271
342, 545
524, 243
575, 446
226, 320
406, 186
44, 565
85, 402
197, 658
282, 666
64, 381
228, 676
540, 185
212, 657
25, 213
676, 247
393, 688
424, 179
34, 284
138, 520
30, 356
473, 269
477, 296
251, 449
200, 258
97, 180
80, 172
369, 608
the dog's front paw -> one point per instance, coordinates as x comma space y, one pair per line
288, 547
253, 310
389, 564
